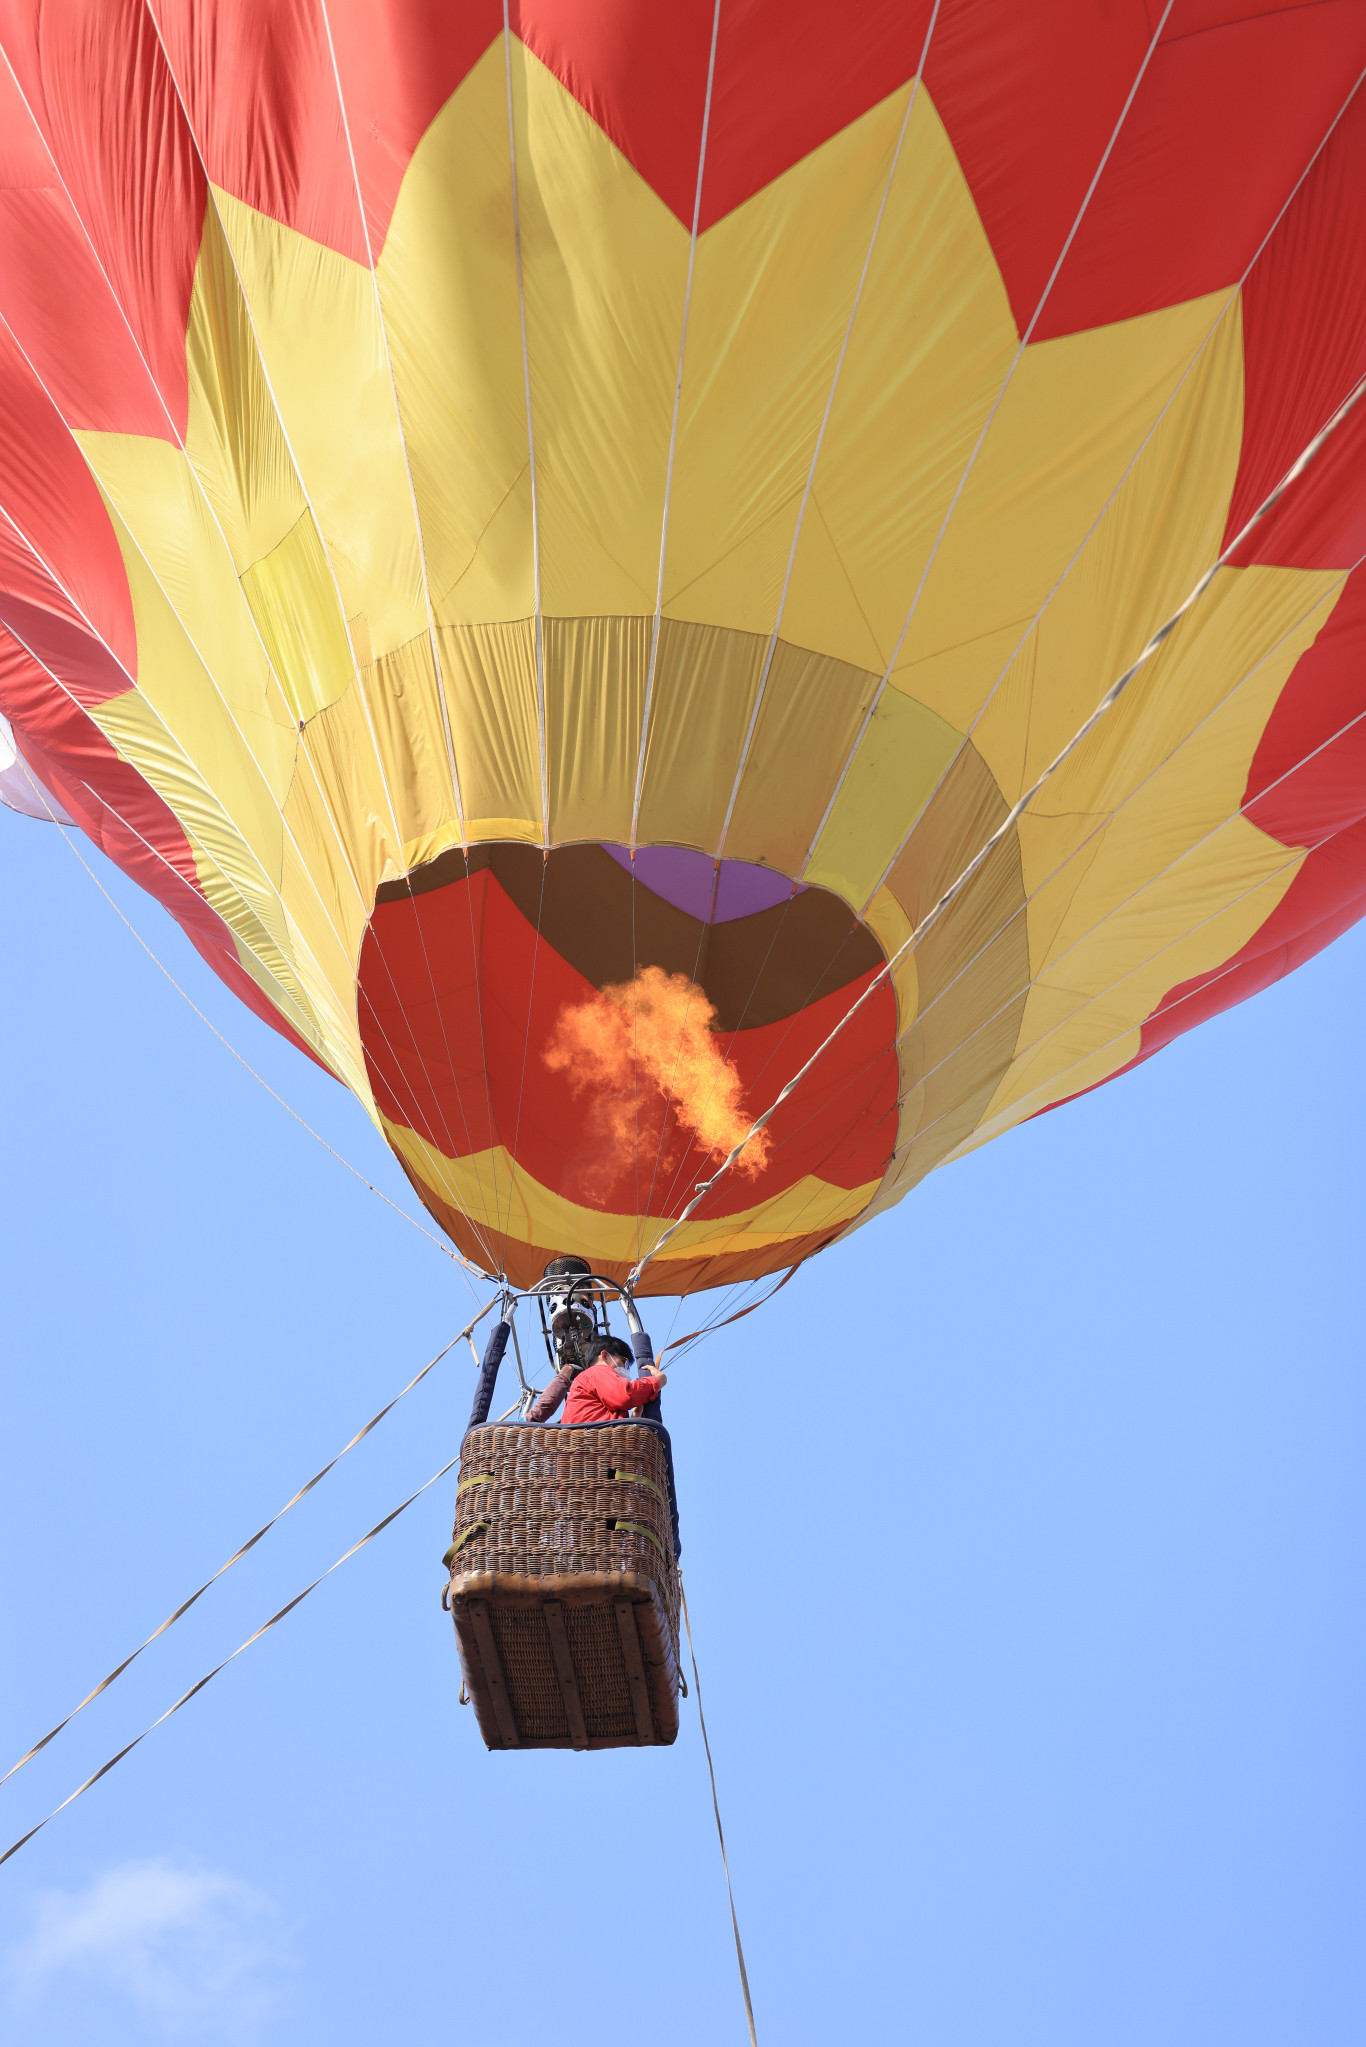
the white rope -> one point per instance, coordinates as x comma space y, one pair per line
268, 383
998, 400
1013, 815
249, 1544
720, 1831
1296, 853
209, 1676
673, 431
530, 441
402, 431
305, 744
1230, 301
247, 1067
771, 648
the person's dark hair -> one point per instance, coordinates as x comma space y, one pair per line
609, 1347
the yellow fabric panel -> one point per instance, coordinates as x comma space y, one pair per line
1096, 922
294, 602
1163, 529
930, 346
705, 679
485, 1186
1073, 418
448, 278
1140, 873
1174, 753
180, 732
312, 993
316, 321
959, 680
595, 670
350, 781
899, 762
192, 616
232, 434
1194, 919
604, 265
1075, 412
772, 289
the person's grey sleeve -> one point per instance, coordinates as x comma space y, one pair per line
546, 1404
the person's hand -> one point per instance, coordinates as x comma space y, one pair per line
663, 1379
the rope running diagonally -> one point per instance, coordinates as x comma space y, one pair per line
208, 1676
1013, 815
720, 1832
355, 1171
711, 1328
249, 1544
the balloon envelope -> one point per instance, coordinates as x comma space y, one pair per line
548, 552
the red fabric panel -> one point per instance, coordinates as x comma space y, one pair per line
789, 74
1304, 347
64, 557
400, 61
1308, 775
259, 86
426, 1044
96, 82
1224, 122
52, 295
1326, 898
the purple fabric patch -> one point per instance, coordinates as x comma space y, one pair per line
688, 881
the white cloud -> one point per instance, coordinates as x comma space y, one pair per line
197, 1951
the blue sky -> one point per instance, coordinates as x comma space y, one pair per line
1024, 1539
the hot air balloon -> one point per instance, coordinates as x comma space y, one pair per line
548, 540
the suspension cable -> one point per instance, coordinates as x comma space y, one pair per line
250, 1543
465, 1264
208, 1677
1013, 815
720, 1832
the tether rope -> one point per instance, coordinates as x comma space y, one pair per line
720, 1831
1013, 815
249, 1544
208, 1676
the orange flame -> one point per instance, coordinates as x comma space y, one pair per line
647, 1050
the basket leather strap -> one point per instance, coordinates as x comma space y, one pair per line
479, 1478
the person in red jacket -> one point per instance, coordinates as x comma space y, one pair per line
602, 1392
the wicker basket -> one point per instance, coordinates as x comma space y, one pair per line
564, 1587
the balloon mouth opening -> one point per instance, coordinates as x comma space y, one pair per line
564, 1045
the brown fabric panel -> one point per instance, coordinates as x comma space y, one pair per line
705, 679
806, 726
756, 970
959, 818
952, 1104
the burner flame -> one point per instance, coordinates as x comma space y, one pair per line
647, 1051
